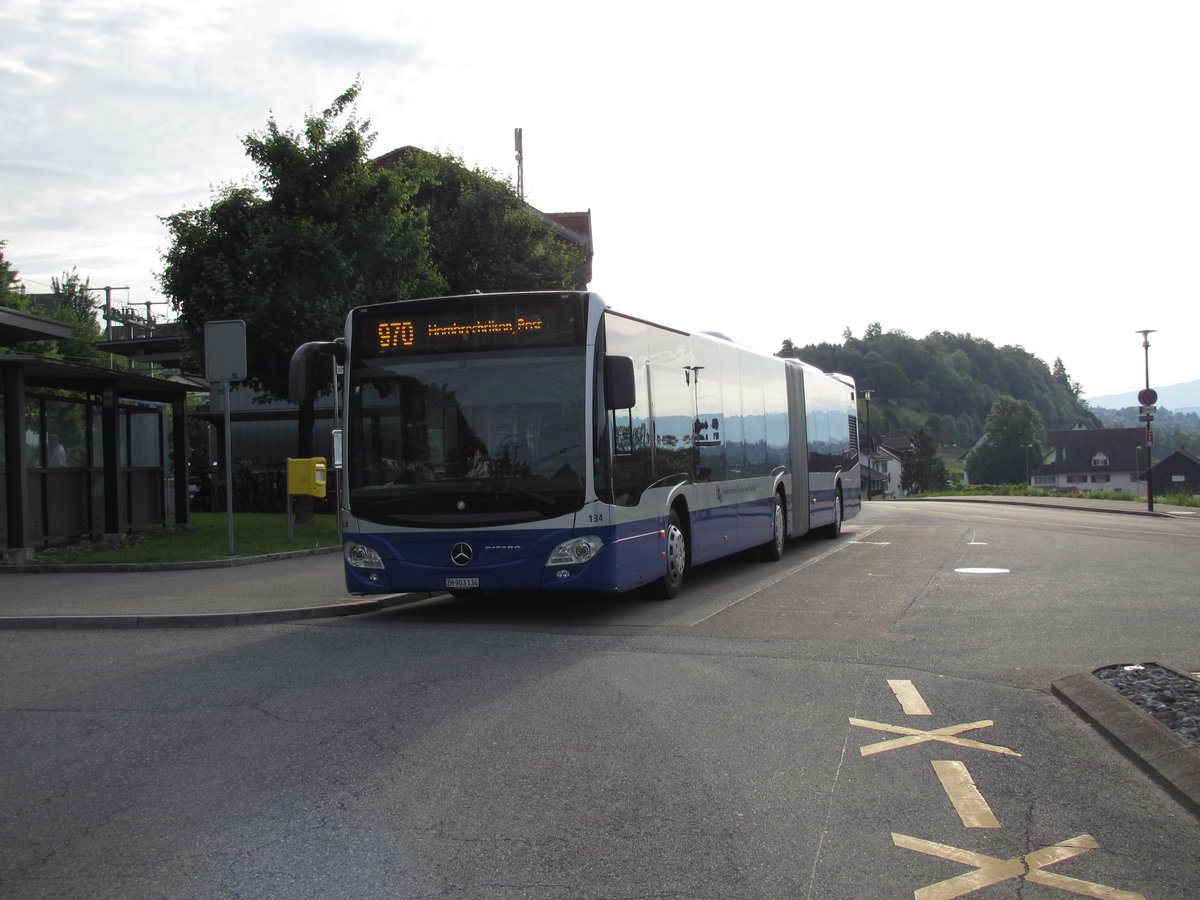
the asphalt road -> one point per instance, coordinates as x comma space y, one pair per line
859, 720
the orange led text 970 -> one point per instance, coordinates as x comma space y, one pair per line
402, 334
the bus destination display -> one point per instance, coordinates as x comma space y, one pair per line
454, 327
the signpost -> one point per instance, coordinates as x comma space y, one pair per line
225, 361
1147, 398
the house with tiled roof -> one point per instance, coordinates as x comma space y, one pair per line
1093, 459
888, 458
887, 469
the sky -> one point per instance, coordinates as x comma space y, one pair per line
1024, 172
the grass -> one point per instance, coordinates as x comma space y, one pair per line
204, 538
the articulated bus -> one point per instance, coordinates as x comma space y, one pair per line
543, 441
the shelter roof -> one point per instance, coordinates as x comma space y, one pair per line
17, 326
58, 374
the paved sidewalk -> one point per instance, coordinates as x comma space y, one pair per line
265, 589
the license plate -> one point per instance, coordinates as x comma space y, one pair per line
462, 582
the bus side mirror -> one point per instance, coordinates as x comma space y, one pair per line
620, 391
300, 369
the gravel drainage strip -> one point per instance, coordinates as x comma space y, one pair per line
1151, 713
1171, 697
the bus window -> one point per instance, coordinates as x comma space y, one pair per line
754, 420
674, 415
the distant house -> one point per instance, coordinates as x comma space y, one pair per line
1179, 473
888, 458
1093, 459
876, 477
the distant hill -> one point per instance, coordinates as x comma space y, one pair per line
945, 383
1176, 397
1176, 424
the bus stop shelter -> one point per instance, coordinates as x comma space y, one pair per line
112, 475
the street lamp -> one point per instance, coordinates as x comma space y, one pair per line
1147, 399
1026, 448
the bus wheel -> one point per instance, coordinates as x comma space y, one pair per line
834, 528
672, 581
772, 550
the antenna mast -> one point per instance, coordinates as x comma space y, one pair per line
520, 164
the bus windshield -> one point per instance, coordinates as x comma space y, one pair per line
467, 440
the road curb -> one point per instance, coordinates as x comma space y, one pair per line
191, 620
1173, 761
229, 563
1082, 504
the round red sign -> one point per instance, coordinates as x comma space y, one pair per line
1147, 396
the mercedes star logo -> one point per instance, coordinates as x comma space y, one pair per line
461, 554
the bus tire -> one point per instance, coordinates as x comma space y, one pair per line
671, 582
834, 529
772, 550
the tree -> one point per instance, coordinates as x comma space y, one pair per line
74, 303
887, 376
482, 236
921, 465
1059, 372
1009, 448
952, 375
8, 280
10, 296
323, 232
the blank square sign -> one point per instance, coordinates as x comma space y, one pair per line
225, 350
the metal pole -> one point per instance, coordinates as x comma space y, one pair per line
108, 314
867, 394
1145, 333
517, 138
334, 468
228, 474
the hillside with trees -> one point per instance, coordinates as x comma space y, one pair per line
1172, 430
944, 383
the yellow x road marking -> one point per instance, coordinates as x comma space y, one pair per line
989, 870
946, 735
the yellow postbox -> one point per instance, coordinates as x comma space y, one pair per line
306, 477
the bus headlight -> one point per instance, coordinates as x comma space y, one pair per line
575, 551
362, 557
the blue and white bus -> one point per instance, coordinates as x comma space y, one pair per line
543, 441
